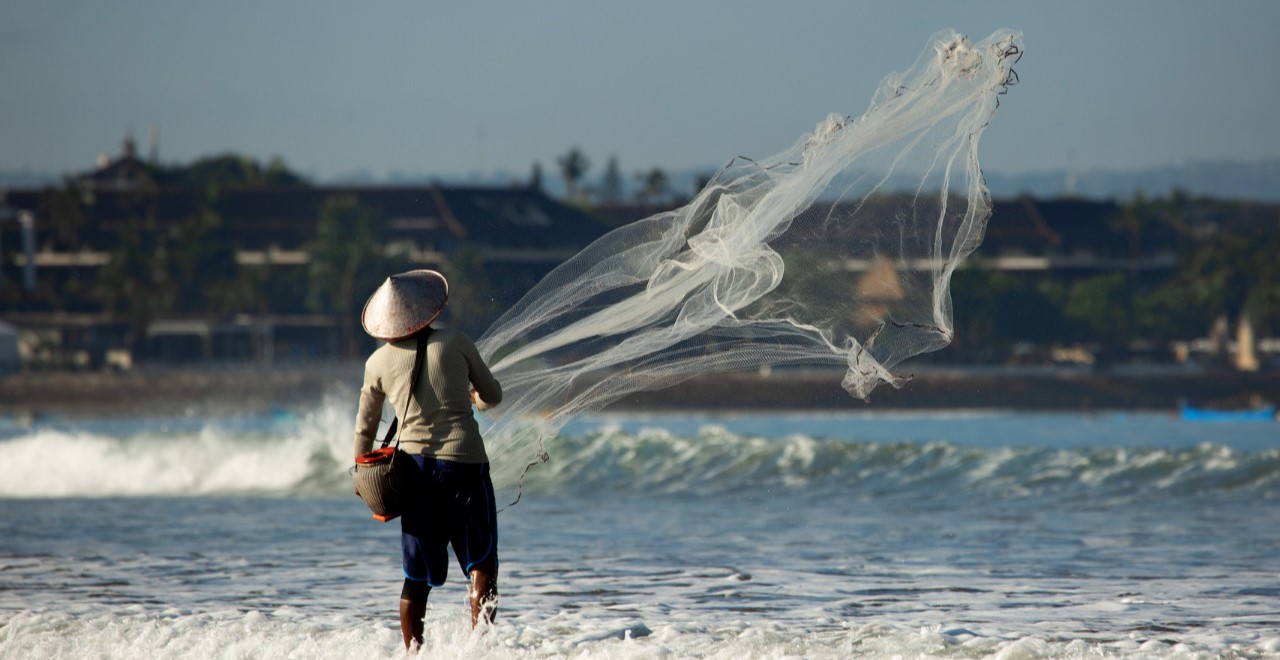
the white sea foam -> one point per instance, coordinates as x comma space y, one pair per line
57, 464
305, 454
309, 454
292, 633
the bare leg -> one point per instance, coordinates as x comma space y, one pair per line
411, 615
484, 592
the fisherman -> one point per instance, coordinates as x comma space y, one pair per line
450, 469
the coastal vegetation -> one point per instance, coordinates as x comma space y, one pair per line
1225, 273
1222, 268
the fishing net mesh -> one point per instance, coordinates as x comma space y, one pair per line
837, 251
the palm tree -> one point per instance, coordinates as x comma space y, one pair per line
573, 165
654, 185
535, 177
346, 261
611, 182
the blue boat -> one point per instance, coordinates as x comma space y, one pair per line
1258, 414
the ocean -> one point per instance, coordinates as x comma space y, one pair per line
728, 535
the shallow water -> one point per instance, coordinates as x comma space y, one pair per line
925, 535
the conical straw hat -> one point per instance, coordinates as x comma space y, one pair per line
405, 304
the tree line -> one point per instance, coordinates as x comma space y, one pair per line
652, 185
1226, 273
1226, 268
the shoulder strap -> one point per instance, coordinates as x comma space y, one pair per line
418, 358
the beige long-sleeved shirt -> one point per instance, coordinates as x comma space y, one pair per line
439, 422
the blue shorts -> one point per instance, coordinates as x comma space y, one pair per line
455, 507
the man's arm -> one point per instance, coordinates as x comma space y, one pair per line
369, 413
486, 392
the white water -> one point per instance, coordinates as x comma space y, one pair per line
646, 536
914, 455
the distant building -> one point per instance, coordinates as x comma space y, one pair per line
55, 240
9, 360
1067, 237
1071, 238
519, 235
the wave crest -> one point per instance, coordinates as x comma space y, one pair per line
310, 455
718, 461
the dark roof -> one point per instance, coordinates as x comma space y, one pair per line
1028, 226
509, 218
520, 217
1017, 225
526, 219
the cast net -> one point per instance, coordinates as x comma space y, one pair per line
837, 251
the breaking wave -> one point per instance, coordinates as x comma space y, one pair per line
308, 456
719, 462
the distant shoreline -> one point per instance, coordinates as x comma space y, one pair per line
255, 390
1029, 390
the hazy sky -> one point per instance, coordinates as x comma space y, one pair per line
449, 89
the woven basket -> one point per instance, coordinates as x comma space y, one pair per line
382, 480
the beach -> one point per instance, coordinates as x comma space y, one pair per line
257, 389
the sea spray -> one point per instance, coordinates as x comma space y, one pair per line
308, 454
